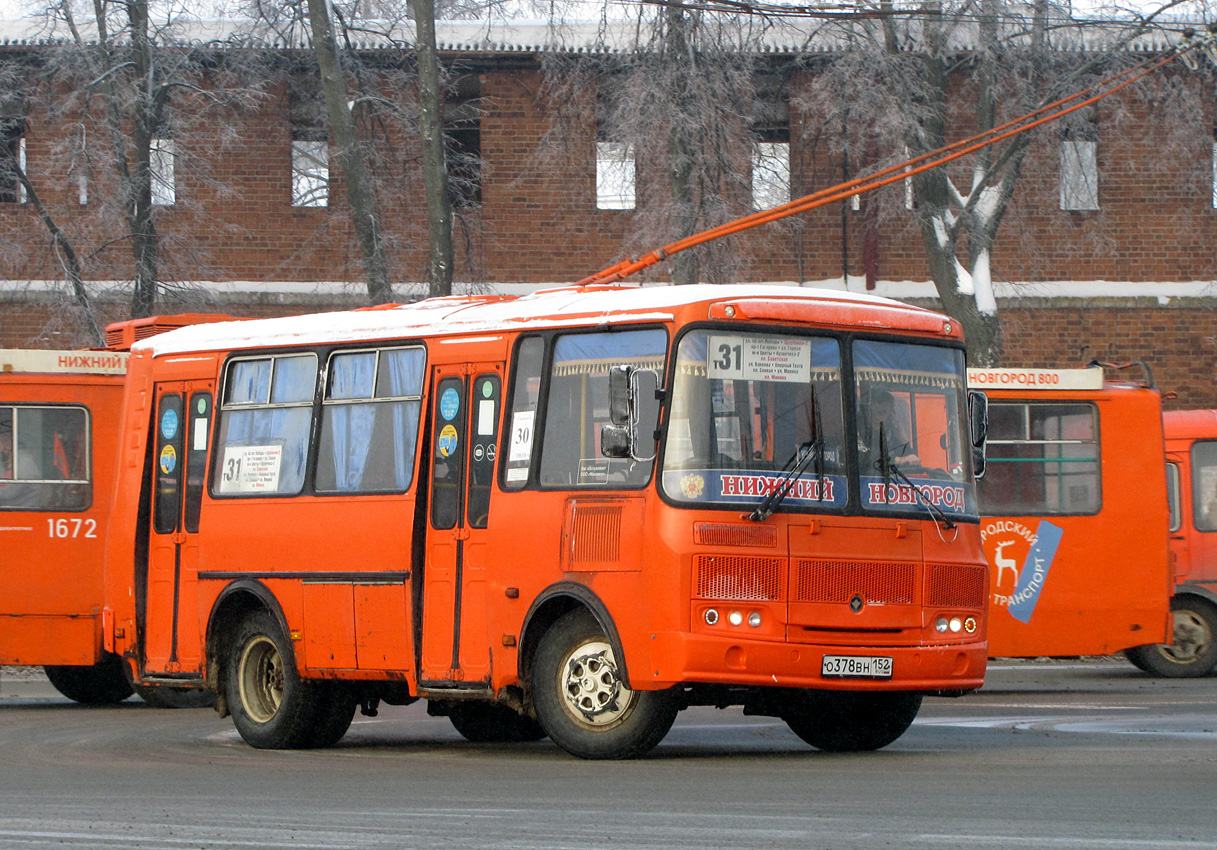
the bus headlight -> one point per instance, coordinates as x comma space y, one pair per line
735, 618
754, 619
941, 624
956, 624
711, 616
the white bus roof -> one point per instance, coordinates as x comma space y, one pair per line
28, 360
1036, 379
565, 307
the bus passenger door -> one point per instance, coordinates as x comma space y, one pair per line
171, 641
466, 401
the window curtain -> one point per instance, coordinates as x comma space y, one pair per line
405, 379
351, 425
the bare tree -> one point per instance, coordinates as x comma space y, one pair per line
117, 70
899, 75
360, 193
681, 95
431, 135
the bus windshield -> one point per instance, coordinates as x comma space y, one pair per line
748, 408
753, 412
911, 403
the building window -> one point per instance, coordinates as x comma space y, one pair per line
310, 146
161, 168
463, 141
770, 174
614, 176
1080, 167
310, 173
12, 161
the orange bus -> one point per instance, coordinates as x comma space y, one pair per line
59, 413
58, 428
1074, 514
1191, 464
572, 514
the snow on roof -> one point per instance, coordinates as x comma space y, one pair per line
565, 307
773, 35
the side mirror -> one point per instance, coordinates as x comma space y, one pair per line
633, 412
615, 441
978, 426
619, 395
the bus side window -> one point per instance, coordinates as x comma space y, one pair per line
44, 458
577, 407
521, 426
1174, 494
1204, 485
1043, 459
369, 421
265, 420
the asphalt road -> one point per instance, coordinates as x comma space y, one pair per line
1089, 754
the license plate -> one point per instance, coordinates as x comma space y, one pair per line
857, 666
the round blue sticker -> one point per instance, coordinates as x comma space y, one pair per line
449, 404
169, 424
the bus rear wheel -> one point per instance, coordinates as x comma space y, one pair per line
846, 722
491, 723
103, 683
272, 707
1192, 653
581, 700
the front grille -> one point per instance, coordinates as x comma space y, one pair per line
735, 577
955, 586
838, 581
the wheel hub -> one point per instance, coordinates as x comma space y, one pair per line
1192, 637
261, 679
591, 687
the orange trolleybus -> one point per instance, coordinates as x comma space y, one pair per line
568, 514
58, 428
1191, 465
1074, 514
59, 413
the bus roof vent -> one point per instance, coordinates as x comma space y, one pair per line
120, 336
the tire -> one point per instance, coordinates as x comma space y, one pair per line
166, 697
581, 702
104, 683
492, 723
272, 707
1193, 652
847, 722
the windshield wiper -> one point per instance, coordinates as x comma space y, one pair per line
812, 450
888, 468
802, 456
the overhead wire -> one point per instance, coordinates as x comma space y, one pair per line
914, 165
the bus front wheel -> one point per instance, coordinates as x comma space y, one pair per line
845, 721
272, 707
581, 700
1192, 653
103, 683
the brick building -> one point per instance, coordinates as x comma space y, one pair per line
252, 219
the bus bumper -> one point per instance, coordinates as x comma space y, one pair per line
681, 658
